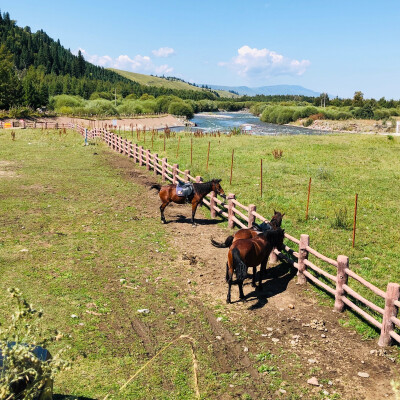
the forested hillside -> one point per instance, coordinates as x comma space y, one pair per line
34, 67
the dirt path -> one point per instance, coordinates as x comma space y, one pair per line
284, 322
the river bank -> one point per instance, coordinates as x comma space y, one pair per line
366, 126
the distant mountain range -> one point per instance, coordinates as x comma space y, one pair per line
268, 90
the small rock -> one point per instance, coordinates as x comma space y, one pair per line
24, 251
74, 316
189, 281
269, 329
366, 258
219, 319
325, 392
231, 385
143, 310
330, 383
283, 391
312, 360
363, 374
313, 381
218, 337
323, 336
291, 306
281, 309
275, 340
246, 349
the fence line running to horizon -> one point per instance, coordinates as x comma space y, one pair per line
245, 218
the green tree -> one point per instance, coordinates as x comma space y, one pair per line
9, 82
358, 99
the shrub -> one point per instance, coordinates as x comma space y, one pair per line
23, 374
66, 100
180, 108
100, 107
307, 122
341, 220
277, 153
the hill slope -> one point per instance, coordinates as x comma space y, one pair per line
269, 90
170, 83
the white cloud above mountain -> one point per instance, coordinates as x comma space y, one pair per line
139, 63
256, 63
164, 52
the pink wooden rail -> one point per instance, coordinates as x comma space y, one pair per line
244, 216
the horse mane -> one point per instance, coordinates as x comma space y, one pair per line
274, 236
203, 187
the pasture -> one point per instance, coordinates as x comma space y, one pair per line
81, 236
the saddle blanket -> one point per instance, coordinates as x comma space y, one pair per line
184, 189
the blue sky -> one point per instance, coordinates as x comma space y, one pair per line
334, 46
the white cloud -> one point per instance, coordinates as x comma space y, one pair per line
139, 63
164, 52
256, 63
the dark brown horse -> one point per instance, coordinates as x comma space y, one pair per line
245, 253
248, 233
168, 194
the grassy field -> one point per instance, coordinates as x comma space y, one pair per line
73, 241
76, 238
161, 82
340, 166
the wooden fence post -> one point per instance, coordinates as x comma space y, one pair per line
140, 155
148, 160
186, 175
341, 279
174, 174
135, 150
303, 255
126, 147
130, 150
212, 204
155, 163
392, 295
163, 169
231, 222
251, 217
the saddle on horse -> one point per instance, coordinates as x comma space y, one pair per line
184, 189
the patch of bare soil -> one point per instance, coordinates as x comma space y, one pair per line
283, 318
7, 169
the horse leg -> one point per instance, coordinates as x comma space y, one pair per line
229, 275
162, 208
194, 208
253, 281
262, 270
241, 294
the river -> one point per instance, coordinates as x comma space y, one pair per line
225, 121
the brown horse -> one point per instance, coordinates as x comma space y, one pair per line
245, 253
248, 233
168, 194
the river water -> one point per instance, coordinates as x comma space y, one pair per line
225, 121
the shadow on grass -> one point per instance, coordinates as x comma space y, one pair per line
70, 397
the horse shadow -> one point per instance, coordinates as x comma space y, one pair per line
278, 278
182, 219
70, 397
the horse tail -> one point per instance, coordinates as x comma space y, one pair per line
226, 244
156, 186
238, 265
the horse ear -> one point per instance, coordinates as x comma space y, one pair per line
283, 215
219, 180
275, 211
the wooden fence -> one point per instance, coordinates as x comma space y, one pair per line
244, 216
36, 125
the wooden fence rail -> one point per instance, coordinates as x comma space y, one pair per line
337, 285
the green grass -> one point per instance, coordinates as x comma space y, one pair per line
340, 166
74, 241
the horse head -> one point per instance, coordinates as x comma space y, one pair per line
276, 220
216, 187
